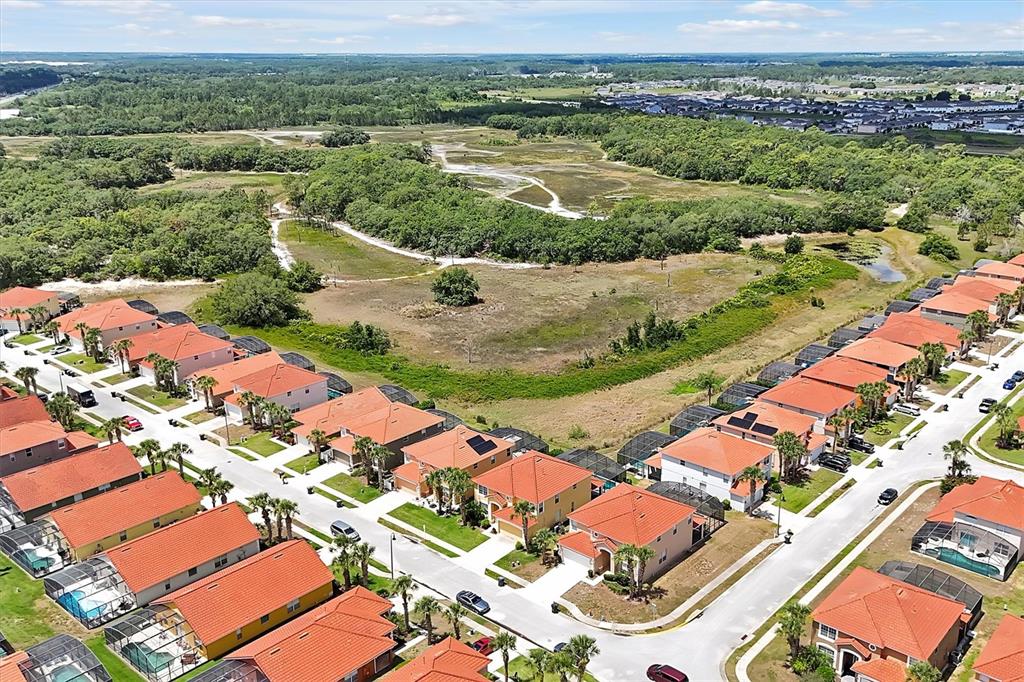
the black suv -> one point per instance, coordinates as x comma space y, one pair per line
888, 496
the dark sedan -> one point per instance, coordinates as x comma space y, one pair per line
888, 496
665, 673
473, 602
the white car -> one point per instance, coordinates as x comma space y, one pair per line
912, 410
59, 349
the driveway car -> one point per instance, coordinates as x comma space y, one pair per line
1018, 376
665, 673
859, 444
887, 496
339, 528
911, 410
473, 601
483, 645
1009, 384
986, 405
131, 423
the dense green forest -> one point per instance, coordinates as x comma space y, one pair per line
21, 79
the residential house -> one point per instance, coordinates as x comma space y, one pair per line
1002, 657
133, 574
20, 409
28, 495
347, 638
461, 448
912, 330
977, 526
634, 516
807, 396
985, 289
368, 413
447, 661
15, 303
952, 308
114, 319
871, 616
208, 618
762, 421
76, 532
849, 373
226, 375
1017, 260
1007, 272
888, 355
554, 487
184, 344
284, 384
714, 461
32, 443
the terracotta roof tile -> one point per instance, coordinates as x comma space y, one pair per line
1002, 657
889, 614
1002, 270
452, 448
631, 515
392, 423
810, 395
326, 643
26, 409
174, 549
768, 415
24, 297
878, 351
276, 380
533, 477
956, 303
240, 594
174, 343
913, 330
1017, 260
103, 316
330, 416
845, 372
982, 288
80, 440
10, 667
122, 508
987, 498
882, 669
47, 483
30, 434
447, 661
225, 375
717, 451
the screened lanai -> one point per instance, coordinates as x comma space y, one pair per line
740, 394
62, 659
10, 515
38, 547
776, 372
707, 506
640, 447
523, 440
450, 420
157, 641
899, 307
934, 580
232, 670
693, 417
813, 353
967, 546
602, 467
844, 336
92, 591
397, 394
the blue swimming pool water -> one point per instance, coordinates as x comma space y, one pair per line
71, 602
145, 659
951, 556
66, 673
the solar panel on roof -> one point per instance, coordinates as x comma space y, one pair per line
765, 429
480, 444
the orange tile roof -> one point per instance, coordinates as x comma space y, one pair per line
876, 351
54, 481
807, 394
240, 594
409, 471
1002, 270
580, 542
104, 515
326, 643
982, 288
766, 414
631, 515
10, 667
168, 551
103, 316
24, 297
24, 409
882, 669
174, 343
1002, 658
277, 380
987, 498
956, 303
1017, 260
913, 330
889, 613
447, 661
392, 423
330, 416
846, 372
80, 440
226, 375
451, 449
30, 434
654, 460
533, 477
508, 514
717, 451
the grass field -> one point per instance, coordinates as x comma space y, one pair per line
987, 442
271, 183
442, 527
352, 487
888, 428
798, 496
26, 339
344, 257
304, 464
948, 380
523, 564
199, 417
81, 362
154, 397
261, 444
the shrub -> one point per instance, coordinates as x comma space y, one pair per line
726, 505
937, 247
344, 136
366, 339
303, 277
793, 245
255, 300
577, 432
455, 287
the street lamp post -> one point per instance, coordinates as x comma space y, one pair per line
392, 546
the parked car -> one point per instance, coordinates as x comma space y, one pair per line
986, 405
834, 463
1018, 376
339, 528
1009, 384
665, 673
483, 646
560, 646
888, 496
912, 410
473, 601
860, 445
131, 423
58, 350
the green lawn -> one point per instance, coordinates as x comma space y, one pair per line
261, 444
948, 380
118, 669
118, 378
522, 667
888, 428
26, 339
143, 406
90, 428
352, 487
333, 498
304, 464
154, 397
987, 442
81, 361
445, 528
199, 417
796, 497
242, 453
345, 256
46, 349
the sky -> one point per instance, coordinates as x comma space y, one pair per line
510, 26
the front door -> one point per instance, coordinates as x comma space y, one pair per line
848, 658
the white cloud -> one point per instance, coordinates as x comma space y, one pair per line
216, 20
738, 26
437, 20
148, 30
21, 4
909, 31
121, 6
786, 9
342, 40
830, 34
860, 4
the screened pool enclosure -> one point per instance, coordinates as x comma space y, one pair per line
232, 671
157, 641
92, 591
62, 659
39, 548
967, 546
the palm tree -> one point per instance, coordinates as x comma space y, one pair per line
545, 540
1004, 303
456, 612
317, 439
915, 370
177, 452
956, 452
793, 624
119, 349
16, 313
966, 338
361, 555
979, 324
38, 314
148, 448
792, 452
504, 643
263, 502
642, 554
278, 415
427, 606
288, 509
624, 558
458, 483
708, 381
536, 660
435, 481
1006, 421
361, 451
247, 401
27, 376
524, 510
581, 649
52, 329
92, 342
211, 480
403, 587
343, 558
159, 457
559, 664
378, 459
752, 475
113, 428
923, 671
205, 385
62, 408
933, 354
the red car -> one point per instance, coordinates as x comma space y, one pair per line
483, 645
665, 673
131, 423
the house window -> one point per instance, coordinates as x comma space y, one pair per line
540, 508
827, 650
238, 633
102, 488
167, 587
123, 536
307, 391
674, 531
289, 393
156, 524
493, 460
193, 571
556, 499
476, 464
293, 606
264, 619
572, 506
222, 561
826, 632
481, 490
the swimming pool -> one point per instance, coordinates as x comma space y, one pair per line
34, 561
66, 673
145, 659
80, 606
951, 556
